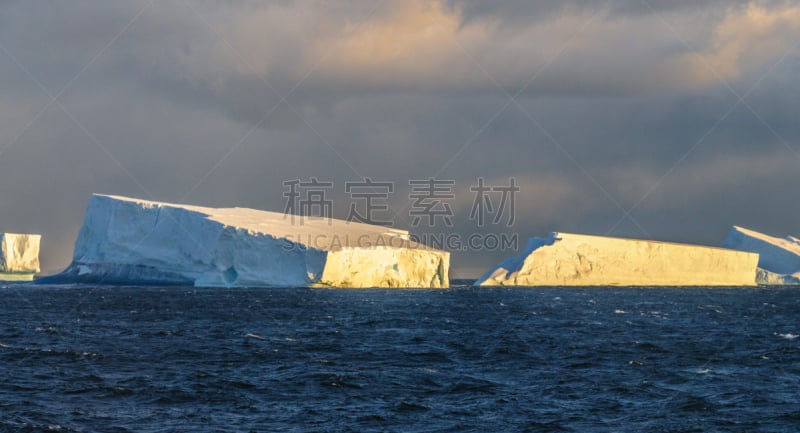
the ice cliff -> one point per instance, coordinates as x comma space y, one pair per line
779, 258
130, 241
19, 256
564, 259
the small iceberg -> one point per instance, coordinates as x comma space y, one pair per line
19, 256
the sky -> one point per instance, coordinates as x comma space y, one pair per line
668, 120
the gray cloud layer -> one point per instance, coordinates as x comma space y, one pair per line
618, 104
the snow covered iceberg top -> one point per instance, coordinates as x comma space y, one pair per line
779, 258
19, 253
565, 259
122, 217
131, 241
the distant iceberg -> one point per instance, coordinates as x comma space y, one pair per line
19, 256
131, 241
565, 259
779, 258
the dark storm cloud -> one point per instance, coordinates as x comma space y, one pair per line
519, 10
182, 101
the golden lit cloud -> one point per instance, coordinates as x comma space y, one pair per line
744, 40
420, 45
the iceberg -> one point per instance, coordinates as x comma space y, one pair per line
779, 258
566, 259
130, 241
19, 256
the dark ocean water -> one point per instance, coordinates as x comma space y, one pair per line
130, 359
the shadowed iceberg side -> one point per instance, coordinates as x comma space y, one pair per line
779, 258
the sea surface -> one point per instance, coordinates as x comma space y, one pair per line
144, 359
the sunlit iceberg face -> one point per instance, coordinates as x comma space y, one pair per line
565, 259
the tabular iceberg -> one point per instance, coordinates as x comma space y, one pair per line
564, 259
779, 259
19, 256
130, 241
